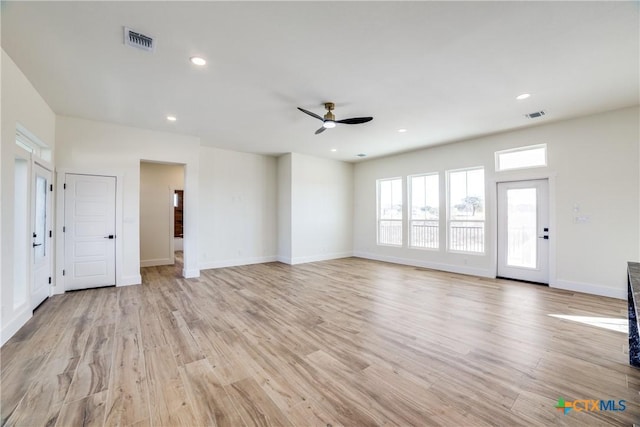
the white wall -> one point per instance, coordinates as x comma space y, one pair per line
592, 162
238, 207
321, 209
158, 181
85, 146
21, 104
284, 208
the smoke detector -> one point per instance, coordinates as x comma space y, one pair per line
139, 40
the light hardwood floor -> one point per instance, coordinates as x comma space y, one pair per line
344, 342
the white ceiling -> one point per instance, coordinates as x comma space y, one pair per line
443, 70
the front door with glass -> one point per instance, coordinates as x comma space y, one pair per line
41, 236
523, 230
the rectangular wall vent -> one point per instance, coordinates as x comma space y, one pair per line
535, 115
138, 40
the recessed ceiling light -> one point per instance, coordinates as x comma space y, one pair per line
172, 118
197, 60
333, 150
402, 130
523, 96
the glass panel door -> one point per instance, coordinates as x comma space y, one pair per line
523, 230
40, 235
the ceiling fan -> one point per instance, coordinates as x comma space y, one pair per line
329, 120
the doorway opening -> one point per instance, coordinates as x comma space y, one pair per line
161, 213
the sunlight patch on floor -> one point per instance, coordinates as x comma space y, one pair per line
611, 323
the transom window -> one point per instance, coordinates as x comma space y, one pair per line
531, 156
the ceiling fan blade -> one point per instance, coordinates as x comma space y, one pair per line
310, 113
320, 130
355, 120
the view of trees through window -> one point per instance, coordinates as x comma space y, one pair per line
465, 213
424, 211
466, 210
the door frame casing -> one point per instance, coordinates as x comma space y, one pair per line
59, 287
525, 175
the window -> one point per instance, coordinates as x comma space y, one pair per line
31, 144
466, 210
424, 207
390, 211
524, 157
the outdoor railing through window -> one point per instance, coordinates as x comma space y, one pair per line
390, 232
466, 236
425, 234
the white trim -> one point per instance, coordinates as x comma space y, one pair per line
129, 280
284, 259
191, 273
156, 262
590, 288
238, 261
322, 257
425, 264
10, 328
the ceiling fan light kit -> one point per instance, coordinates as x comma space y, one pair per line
329, 120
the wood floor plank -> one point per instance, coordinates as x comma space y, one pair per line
42, 403
86, 412
209, 400
169, 404
15, 383
339, 342
254, 405
91, 376
127, 401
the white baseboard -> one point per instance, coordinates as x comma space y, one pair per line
129, 280
426, 264
156, 262
237, 262
191, 273
321, 257
9, 329
283, 259
590, 288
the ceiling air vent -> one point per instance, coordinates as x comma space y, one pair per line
535, 115
138, 40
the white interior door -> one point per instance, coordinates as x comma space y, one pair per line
90, 208
523, 230
41, 236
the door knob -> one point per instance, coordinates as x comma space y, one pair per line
37, 244
110, 236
